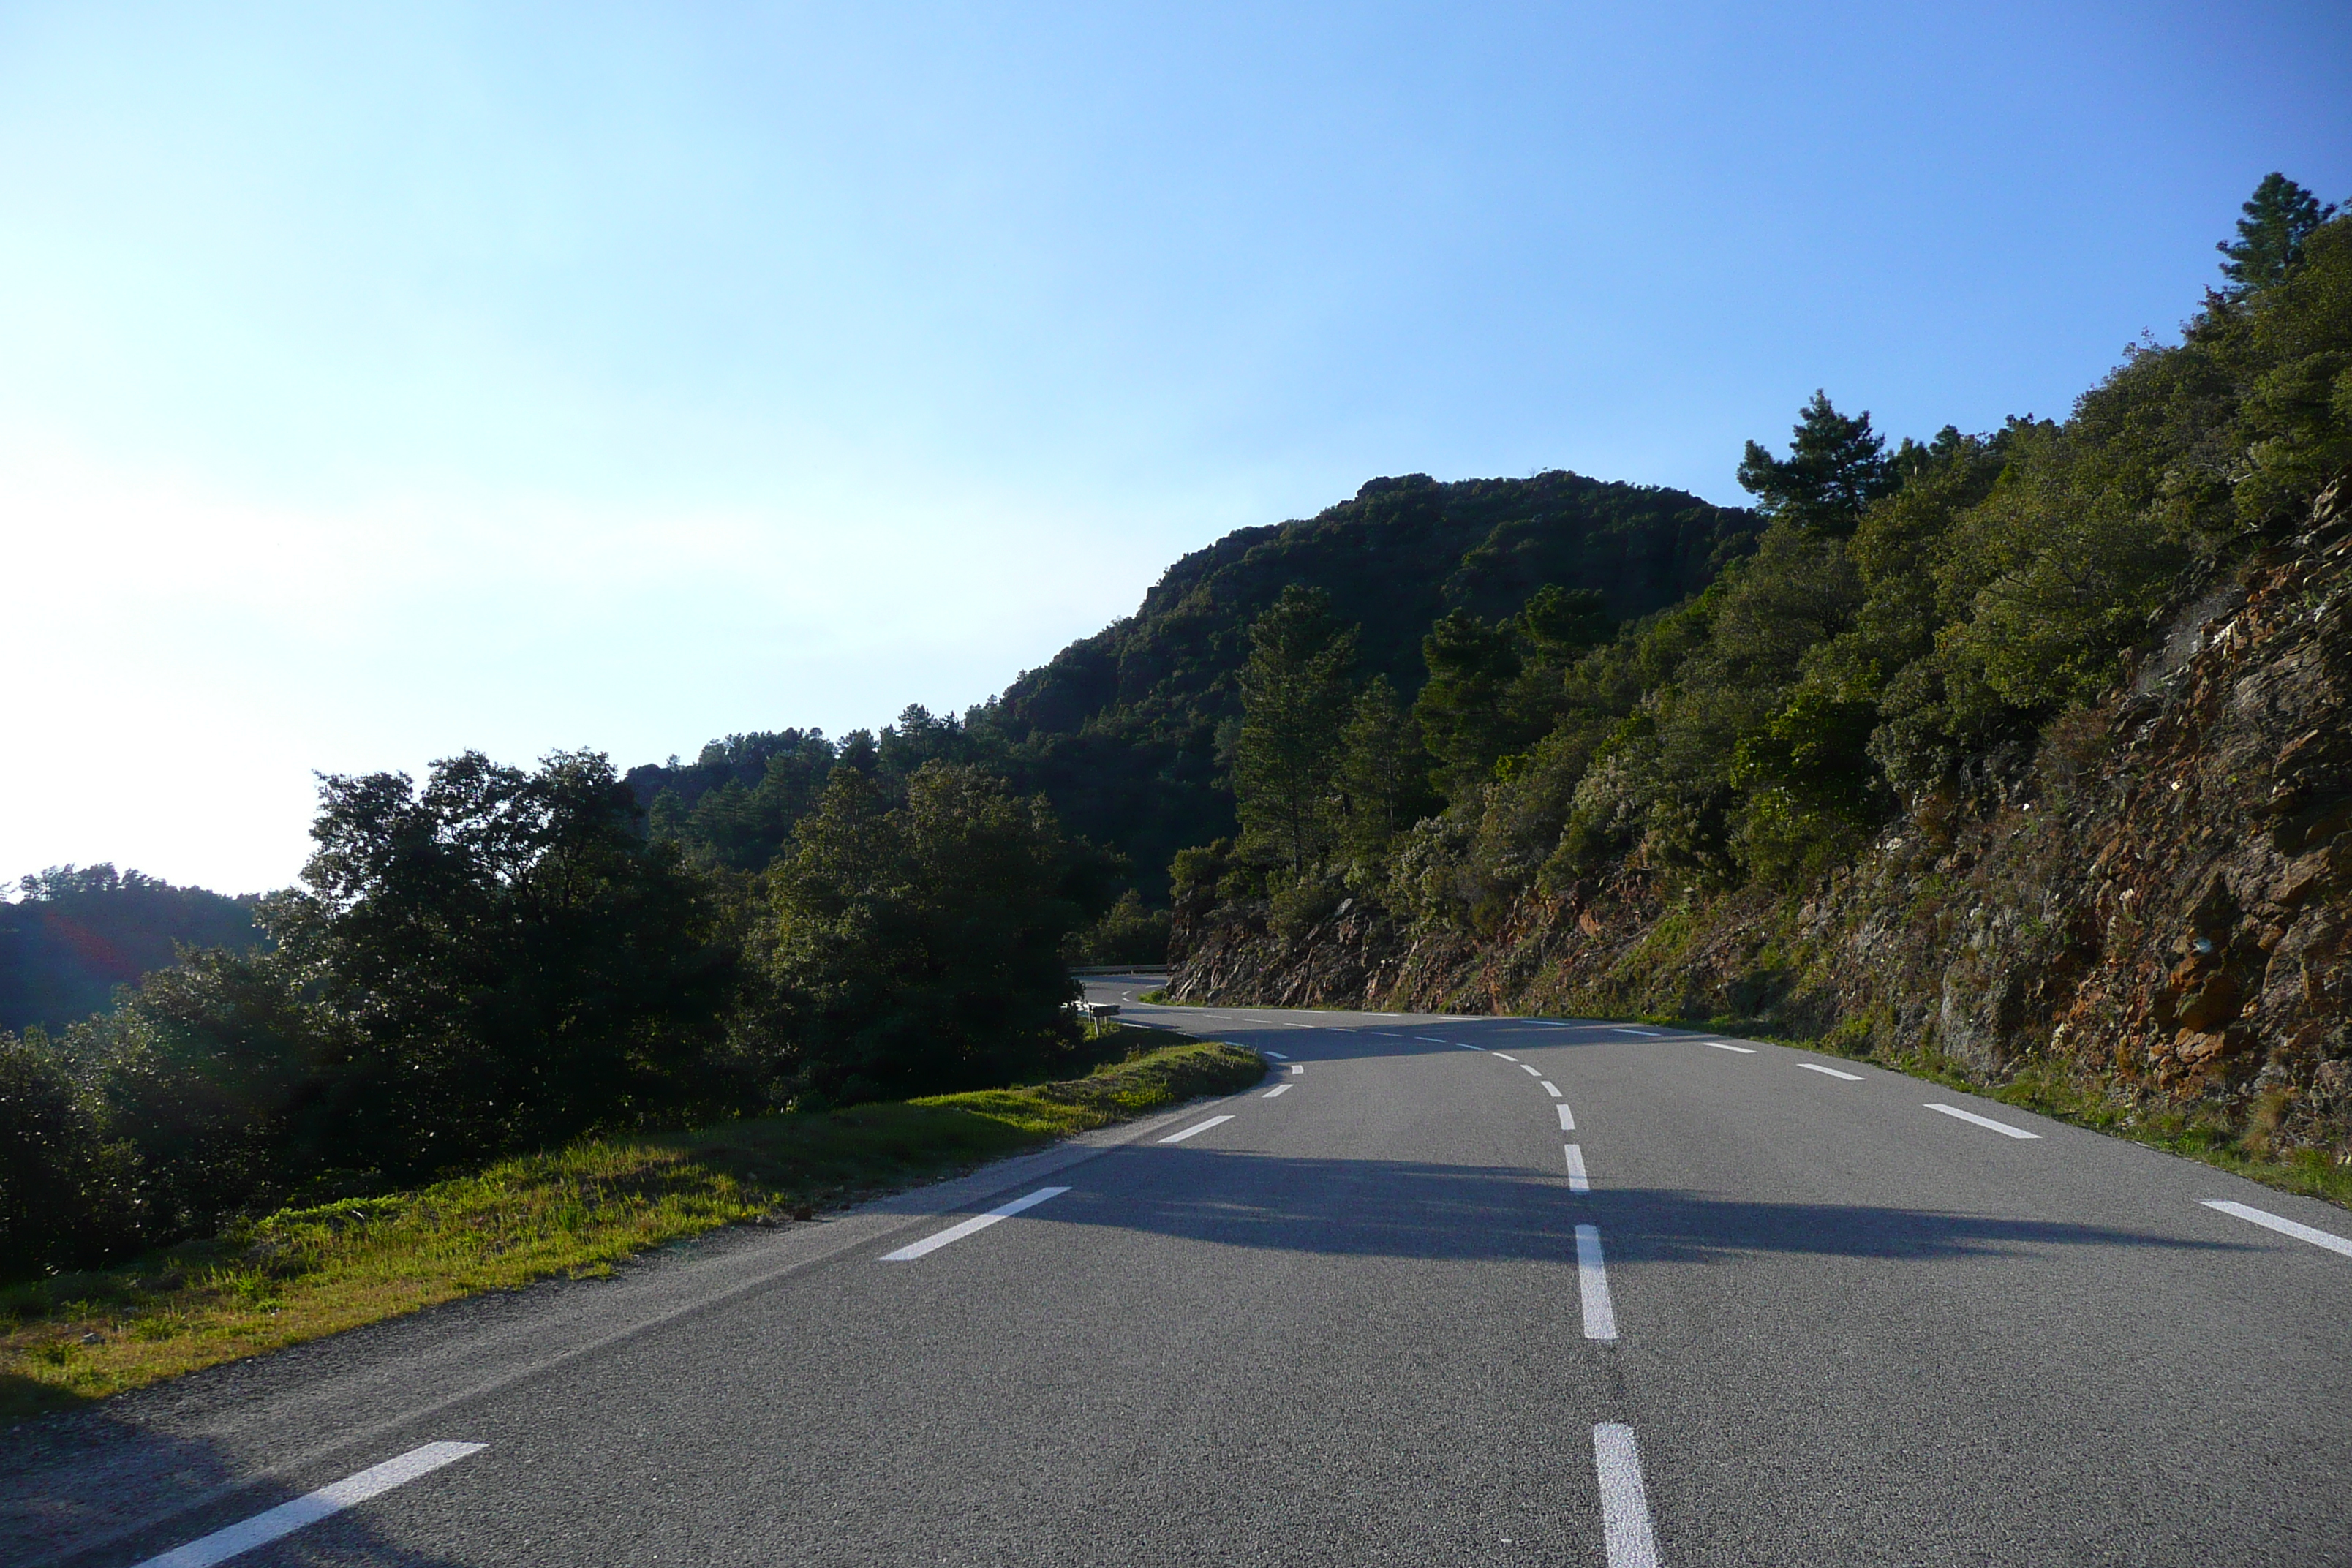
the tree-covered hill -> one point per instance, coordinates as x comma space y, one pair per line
1122, 732
77, 933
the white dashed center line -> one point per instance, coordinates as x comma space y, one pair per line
1625, 1528
1743, 1050
1458, 1045
1284, 1088
311, 1507
2283, 1226
2000, 1127
1577, 1181
1567, 1122
1830, 1072
1505, 1056
1196, 1127
1278, 1056
1296, 1069
1532, 1073
1592, 1283
1631, 1029
980, 1222
1549, 1087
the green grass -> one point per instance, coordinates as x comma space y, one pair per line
575, 1212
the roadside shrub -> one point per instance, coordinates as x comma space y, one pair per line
67, 1192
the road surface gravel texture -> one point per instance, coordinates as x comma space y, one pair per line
1656, 1300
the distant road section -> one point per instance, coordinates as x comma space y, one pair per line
1441, 1290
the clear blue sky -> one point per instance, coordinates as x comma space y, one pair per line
381, 382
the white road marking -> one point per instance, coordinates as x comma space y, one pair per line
1532, 1073
1196, 1127
1391, 1034
2283, 1226
2001, 1127
1567, 1122
1296, 1069
1549, 1087
1592, 1283
1833, 1072
1631, 1029
1625, 1527
1279, 1088
1459, 1046
311, 1507
1577, 1181
980, 1222
1505, 1056
1434, 1040
1278, 1056
1743, 1050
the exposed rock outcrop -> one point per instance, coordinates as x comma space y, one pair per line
2161, 897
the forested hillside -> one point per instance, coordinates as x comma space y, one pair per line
2021, 753
77, 932
1122, 731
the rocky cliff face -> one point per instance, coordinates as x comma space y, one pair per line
2159, 898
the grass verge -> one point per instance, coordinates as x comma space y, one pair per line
301, 1274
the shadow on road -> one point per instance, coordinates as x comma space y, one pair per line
1400, 1209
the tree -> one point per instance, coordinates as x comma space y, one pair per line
1461, 711
1834, 468
2279, 218
917, 949
1381, 779
517, 960
1294, 708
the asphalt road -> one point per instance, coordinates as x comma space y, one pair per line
1369, 1313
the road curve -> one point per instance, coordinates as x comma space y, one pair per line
1440, 1291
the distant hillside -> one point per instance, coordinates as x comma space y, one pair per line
78, 933
1121, 730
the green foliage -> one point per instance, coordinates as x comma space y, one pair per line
1295, 698
917, 946
1128, 933
67, 1195
1835, 468
2280, 216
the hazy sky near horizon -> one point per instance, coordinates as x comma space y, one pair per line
382, 382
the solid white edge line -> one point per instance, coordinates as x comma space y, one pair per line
1743, 1050
2282, 1225
1196, 1127
1625, 1529
978, 1222
1284, 1088
1566, 1121
1577, 1182
1592, 1285
311, 1507
1830, 1072
1632, 1029
2001, 1127
1549, 1087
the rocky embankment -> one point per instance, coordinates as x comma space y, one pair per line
2159, 899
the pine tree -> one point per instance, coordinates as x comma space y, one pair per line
2270, 237
1835, 467
1295, 709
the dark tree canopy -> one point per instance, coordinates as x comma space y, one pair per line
1836, 466
2279, 216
